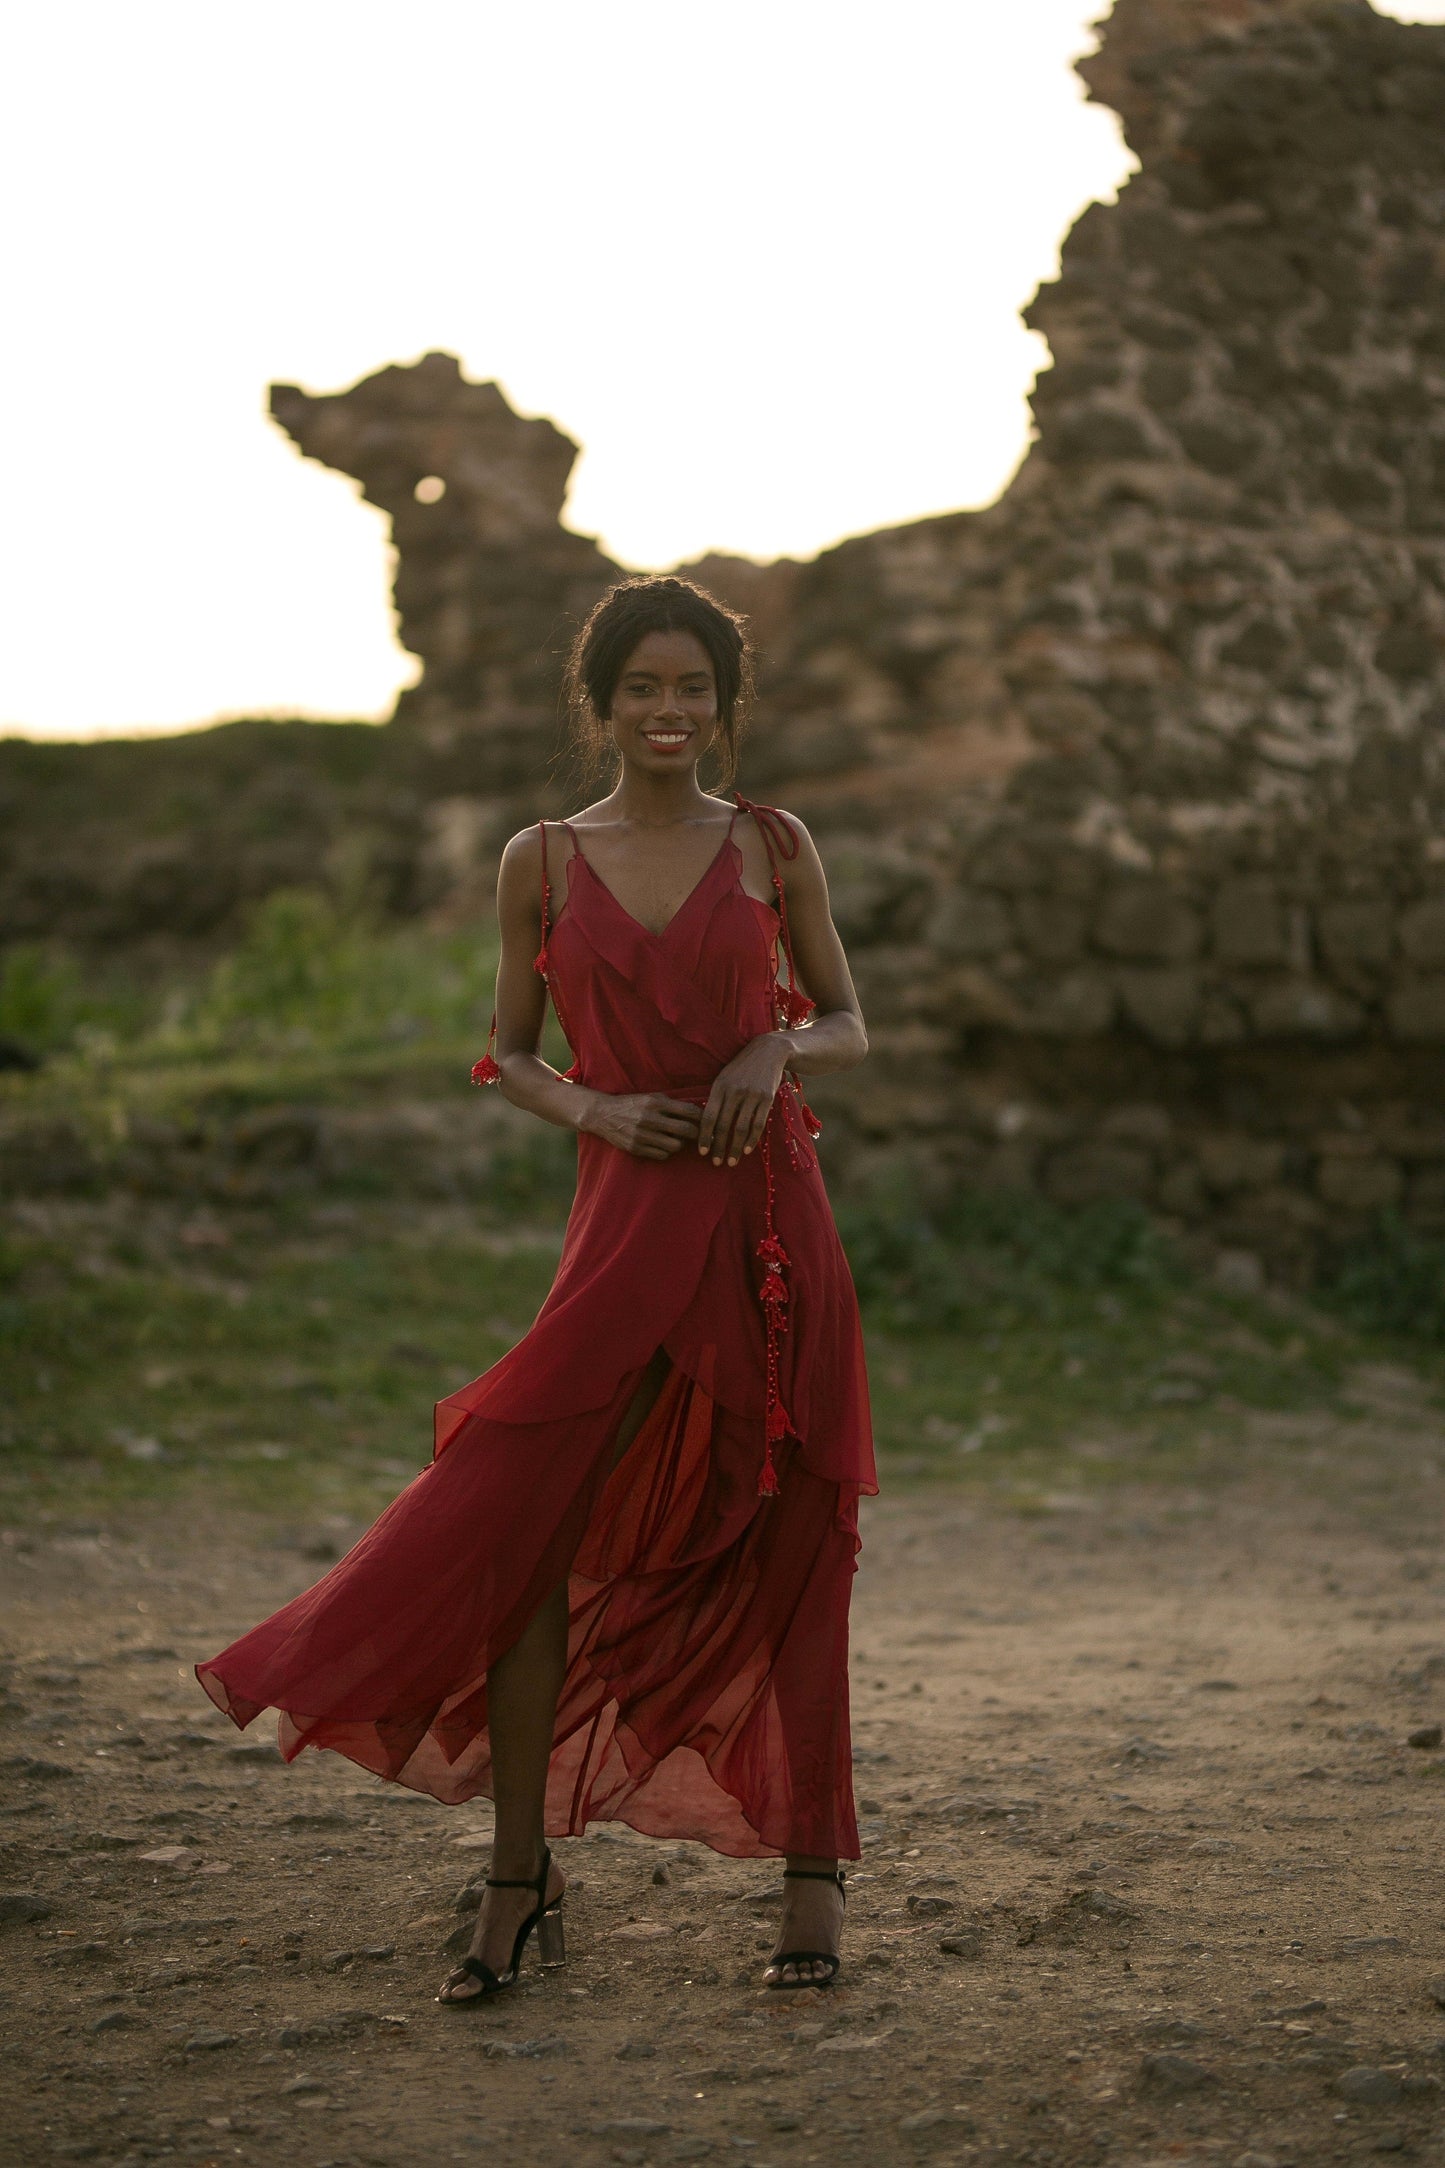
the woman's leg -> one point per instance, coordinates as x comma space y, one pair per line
522, 1691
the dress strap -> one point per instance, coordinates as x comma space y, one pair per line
780, 840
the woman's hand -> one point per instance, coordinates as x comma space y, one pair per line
741, 1098
649, 1125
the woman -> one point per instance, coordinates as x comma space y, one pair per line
620, 1590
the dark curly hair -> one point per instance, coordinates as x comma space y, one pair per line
626, 614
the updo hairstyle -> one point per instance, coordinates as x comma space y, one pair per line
623, 618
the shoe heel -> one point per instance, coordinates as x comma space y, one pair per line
552, 1937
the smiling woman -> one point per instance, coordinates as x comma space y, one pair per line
621, 1590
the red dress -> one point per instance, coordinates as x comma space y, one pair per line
710, 1571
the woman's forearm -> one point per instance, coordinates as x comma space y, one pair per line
531, 1084
835, 1041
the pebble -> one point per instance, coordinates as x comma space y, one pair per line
1174, 2074
203, 2042
469, 1896
117, 2021
931, 1908
178, 1858
1389, 2141
1427, 1736
854, 2043
1370, 2087
967, 1943
926, 2119
636, 2051
19, 1906
296, 2087
640, 1931
506, 2051
1211, 1847
661, 1879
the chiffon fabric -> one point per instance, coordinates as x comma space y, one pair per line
710, 1570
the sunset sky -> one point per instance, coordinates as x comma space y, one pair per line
764, 262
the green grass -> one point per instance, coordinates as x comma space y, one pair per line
283, 1355
285, 1360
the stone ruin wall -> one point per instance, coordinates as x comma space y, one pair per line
1130, 786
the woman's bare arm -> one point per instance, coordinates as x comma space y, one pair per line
743, 1093
647, 1124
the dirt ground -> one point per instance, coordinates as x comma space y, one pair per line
1151, 1871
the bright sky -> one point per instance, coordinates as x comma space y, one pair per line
763, 260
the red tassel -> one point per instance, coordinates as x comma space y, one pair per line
768, 1479
539, 961
486, 1071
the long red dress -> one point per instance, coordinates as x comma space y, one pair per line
710, 1571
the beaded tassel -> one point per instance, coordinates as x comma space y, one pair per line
773, 1295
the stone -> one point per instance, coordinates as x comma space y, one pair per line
175, 1858
1427, 1735
117, 2021
254, 1753
1422, 934
1416, 1011
930, 1908
1360, 1185
966, 1943
1167, 2073
1368, 2087
636, 2051
208, 2041
20, 1907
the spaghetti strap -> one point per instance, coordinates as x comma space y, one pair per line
781, 839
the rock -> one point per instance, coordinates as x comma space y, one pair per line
379, 1953
930, 1908
1211, 1847
1436, 1992
18, 1907
640, 1931
524, 2050
1174, 2074
469, 1896
914, 2126
117, 2021
334, 1960
636, 2051
255, 1753
35, 1770
660, 1878
966, 1942
207, 2042
175, 1858
1428, 1735
298, 2087
1368, 2087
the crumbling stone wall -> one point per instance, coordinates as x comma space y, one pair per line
1131, 786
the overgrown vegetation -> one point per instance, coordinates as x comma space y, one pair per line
280, 1347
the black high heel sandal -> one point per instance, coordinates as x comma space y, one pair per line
551, 1943
810, 1957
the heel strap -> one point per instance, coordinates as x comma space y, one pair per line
815, 1874
537, 1881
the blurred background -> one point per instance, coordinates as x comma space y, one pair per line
1065, 404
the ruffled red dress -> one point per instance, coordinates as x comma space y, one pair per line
710, 1571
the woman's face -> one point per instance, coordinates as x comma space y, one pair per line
664, 710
